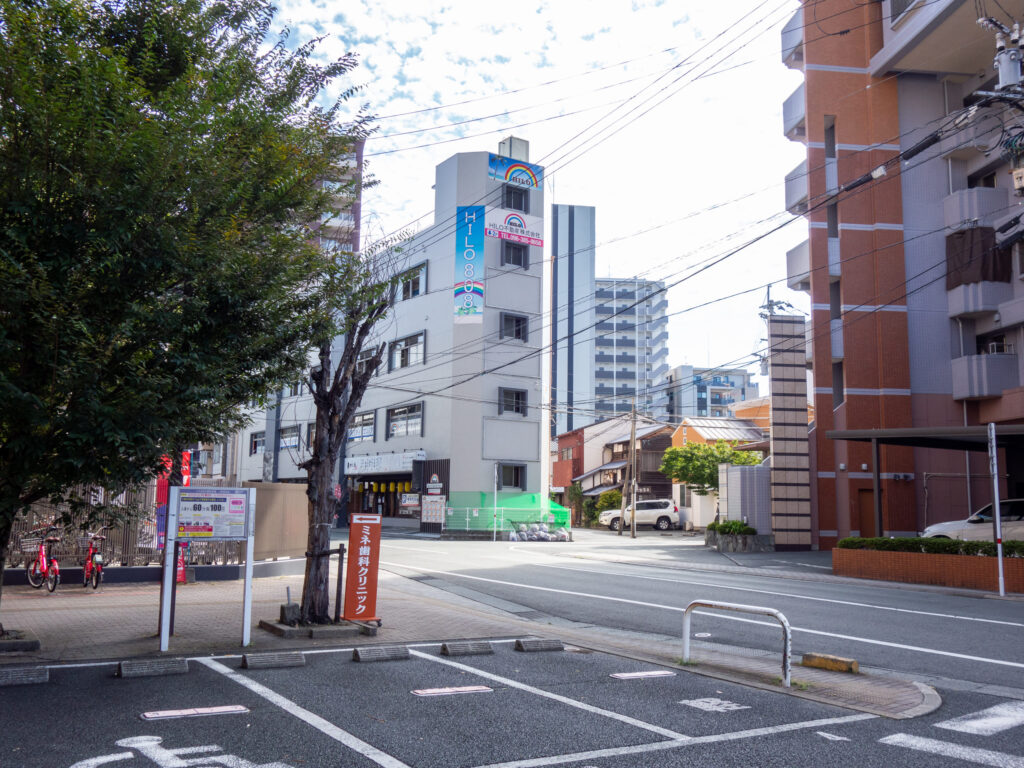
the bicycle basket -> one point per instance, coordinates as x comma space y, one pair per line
31, 544
83, 543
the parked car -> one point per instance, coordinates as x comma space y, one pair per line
659, 513
978, 527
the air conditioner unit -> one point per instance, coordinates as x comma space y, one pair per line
1000, 348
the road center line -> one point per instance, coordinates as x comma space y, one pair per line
542, 762
726, 617
507, 681
328, 728
844, 603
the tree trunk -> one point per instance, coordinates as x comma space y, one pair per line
6, 527
316, 587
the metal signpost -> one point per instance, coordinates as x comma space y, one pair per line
208, 514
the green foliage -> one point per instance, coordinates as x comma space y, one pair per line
712, 526
160, 172
735, 527
696, 464
933, 546
609, 500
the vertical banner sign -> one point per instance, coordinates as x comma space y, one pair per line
469, 264
363, 562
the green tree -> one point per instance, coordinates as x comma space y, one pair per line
575, 496
161, 171
696, 464
609, 500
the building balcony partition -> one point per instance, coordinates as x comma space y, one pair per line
794, 116
660, 305
604, 391
602, 405
659, 338
625, 294
604, 309
625, 391
656, 321
604, 293
607, 342
836, 332
798, 267
625, 359
659, 371
629, 327
603, 358
977, 206
604, 325
976, 377
657, 353
835, 259
599, 374
793, 41
797, 190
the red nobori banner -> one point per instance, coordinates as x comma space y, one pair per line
363, 563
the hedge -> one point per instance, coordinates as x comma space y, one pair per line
732, 528
934, 546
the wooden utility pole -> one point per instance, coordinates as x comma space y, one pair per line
627, 479
632, 471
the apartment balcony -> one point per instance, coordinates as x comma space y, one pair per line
660, 306
659, 338
606, 342
629, 327
836, 332
605, 326
604, 374
604, 293
831, 175
979, 131
604, 309
798, 267
661, 370
835, 260
624, 294
796, 190
601, 391
975, 207
626, 359
978, 299
625, 391
603, 358
981, 376
658, 353
794, 116
793, 41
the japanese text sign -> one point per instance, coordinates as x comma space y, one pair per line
363, 563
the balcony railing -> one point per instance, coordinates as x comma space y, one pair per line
834, 258
796, 190
975, 206
978, 299
798, 267
794, 116
982, 376
836, 331
793, 41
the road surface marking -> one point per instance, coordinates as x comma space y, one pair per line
989, 721
638, 675
417, 549
805, 565
831, 736
714, 705
725, 617
660, 746
844, 603
555, 697
451, 691
955, 751
330, 729
171, 714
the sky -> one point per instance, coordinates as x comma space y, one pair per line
665, 116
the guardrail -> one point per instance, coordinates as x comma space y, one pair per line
755, 609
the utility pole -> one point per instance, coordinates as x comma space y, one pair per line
632, 464
627, 481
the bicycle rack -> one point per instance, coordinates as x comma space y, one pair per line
755, 609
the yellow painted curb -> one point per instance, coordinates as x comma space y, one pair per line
833, 663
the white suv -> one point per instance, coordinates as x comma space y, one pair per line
978, 527
660, 513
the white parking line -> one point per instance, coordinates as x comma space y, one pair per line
507, 681
676, 609
989, 721
955, 751
330, 729
660, 746
844, 603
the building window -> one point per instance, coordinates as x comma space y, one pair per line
414, 283
256, 442
288, 438
407, 351
512, 401
512, 477
291, 390
405, 421
364, 359
516, 198
838, 389
514, 327
362, 427
515, 254
310, 435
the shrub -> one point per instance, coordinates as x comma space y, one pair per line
590, 513
609, 500
712, 526
933, 546
735, 527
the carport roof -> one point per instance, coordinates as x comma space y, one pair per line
973, 438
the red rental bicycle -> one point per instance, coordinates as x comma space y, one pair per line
43, 567
92, 569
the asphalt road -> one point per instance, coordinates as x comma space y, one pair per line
909, 631
527, 711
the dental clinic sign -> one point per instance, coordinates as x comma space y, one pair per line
515, 227
469, 264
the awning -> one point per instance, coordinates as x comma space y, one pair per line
973, 438
617, 464
601, 489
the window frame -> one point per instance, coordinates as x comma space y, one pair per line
422, 335
514, 316
289, 431
417, 273
373, 428
516, 467
508, 247
389, 421
253, 437
502, 408
509, 198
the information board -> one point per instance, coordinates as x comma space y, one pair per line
433, 509
212, 514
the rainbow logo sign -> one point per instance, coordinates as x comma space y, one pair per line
515, 172
515, 220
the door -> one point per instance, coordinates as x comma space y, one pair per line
866, 513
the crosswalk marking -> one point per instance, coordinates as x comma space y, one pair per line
955, 751
1001, 717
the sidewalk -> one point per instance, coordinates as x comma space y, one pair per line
119, 622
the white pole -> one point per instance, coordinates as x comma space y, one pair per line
494, 530
250, 548
170, 536
997, 513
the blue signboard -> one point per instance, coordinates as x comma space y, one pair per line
469, 264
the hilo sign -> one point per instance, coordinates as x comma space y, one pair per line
469, 264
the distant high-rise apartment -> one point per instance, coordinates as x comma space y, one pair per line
631, 347
707, 391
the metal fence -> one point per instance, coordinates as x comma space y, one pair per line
501, 521
128, 543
